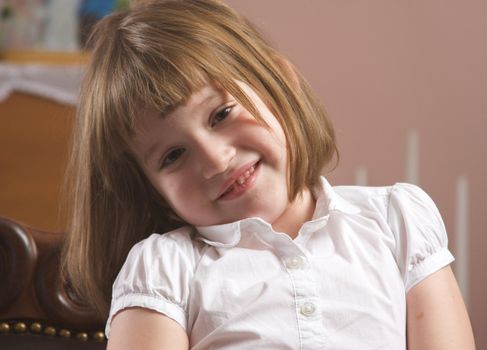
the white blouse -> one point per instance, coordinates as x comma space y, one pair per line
340, 284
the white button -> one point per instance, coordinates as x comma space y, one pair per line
294, 262
307, 309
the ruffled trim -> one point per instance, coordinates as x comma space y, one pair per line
146, 301
427, 266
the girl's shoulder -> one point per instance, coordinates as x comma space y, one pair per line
178, 243
400, 196
156, 274
411, 219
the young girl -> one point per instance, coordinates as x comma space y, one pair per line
189, 122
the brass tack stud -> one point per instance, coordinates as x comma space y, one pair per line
4, 327
99, 336
82, 336
50, 331
20, 327
36, 327
65, 333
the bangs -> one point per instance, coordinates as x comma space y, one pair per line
168, 83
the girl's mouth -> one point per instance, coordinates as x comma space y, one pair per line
241, 184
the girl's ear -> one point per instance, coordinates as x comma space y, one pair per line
289, 70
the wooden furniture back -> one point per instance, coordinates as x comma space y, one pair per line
36, 309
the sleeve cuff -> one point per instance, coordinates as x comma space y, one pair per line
162, 306
428, 266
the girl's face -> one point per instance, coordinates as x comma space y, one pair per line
213, 162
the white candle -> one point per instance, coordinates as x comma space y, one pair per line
462, 239
412, 157
361, 176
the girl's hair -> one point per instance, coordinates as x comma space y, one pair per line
156, 54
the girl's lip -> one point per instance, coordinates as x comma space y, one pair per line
235, 175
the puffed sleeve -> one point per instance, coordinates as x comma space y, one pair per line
421, 240
156, 275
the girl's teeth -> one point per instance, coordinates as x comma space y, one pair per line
241, 180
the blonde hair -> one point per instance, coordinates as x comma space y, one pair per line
157, 54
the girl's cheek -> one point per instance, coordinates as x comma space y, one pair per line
164, 185
177, 185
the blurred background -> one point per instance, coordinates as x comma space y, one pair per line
405, 84
51, 25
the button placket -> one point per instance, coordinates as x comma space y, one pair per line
298, 264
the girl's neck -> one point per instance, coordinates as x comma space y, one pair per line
298, 212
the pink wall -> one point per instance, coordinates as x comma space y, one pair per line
386, 70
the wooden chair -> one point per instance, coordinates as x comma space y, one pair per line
36, 310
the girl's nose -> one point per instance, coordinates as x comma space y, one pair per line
215, 157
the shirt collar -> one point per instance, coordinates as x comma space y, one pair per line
327, 200
229, 235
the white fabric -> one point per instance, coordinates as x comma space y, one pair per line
340, 284
58, 83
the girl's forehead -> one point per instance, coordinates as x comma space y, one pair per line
205, 95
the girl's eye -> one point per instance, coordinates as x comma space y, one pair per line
171, 157
221, 115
